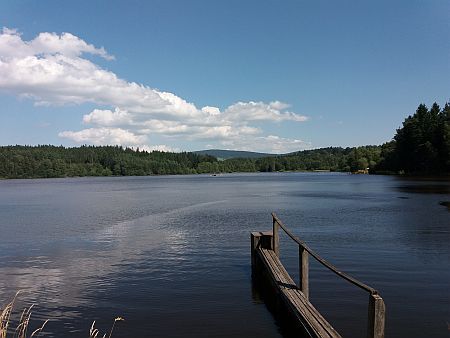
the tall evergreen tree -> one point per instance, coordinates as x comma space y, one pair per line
422, 144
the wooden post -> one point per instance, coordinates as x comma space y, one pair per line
303, 258
255, 238
377, 313
276, 238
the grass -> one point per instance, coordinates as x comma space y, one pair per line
22, 327
93, 332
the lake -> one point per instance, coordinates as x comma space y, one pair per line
171, 254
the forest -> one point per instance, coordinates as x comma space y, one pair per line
57, 161
421, 146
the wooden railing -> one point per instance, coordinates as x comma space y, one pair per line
376, 308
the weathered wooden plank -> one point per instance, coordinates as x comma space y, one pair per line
255, 242
294, 299
276, 238
311, 314
296, 302
377, 312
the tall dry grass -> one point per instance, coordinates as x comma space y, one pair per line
94, 333
22, 327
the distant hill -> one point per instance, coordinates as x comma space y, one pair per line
227, 154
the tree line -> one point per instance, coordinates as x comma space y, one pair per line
45, 161
51, 161
420, 146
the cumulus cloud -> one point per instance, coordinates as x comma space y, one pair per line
51, 69
107, 117
105, 136
268, 144
12, 45
253, 111
160, 147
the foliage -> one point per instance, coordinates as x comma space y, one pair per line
329, 159
51, 161
421, 145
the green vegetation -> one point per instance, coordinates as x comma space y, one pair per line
51, 161
420, 146
332, 159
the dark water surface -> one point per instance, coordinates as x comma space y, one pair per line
171, 254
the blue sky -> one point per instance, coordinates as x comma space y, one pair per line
275, 76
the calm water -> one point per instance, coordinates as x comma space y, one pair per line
171, 254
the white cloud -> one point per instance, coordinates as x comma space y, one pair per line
105, 136
223, 132
253, 111
268, 144
278, 144
107, 117
12, 45
212, 111
51, 70
159, 147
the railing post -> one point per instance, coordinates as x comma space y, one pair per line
276, 238
255, 239
303, 258
377, 312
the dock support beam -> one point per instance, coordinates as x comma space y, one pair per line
377, 311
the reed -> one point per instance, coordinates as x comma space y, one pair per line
93, 332
22, 327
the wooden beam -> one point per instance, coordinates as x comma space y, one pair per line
292, 299
276, 238
255, 242
377, 313
304, 271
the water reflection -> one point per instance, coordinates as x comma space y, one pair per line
171, 254
445, 204
424, 185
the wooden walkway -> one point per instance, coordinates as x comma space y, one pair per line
294, 298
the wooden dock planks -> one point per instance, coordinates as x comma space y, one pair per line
311, 320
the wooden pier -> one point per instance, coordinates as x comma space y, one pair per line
293, 298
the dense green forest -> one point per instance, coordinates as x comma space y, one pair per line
420, 146
51, 161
